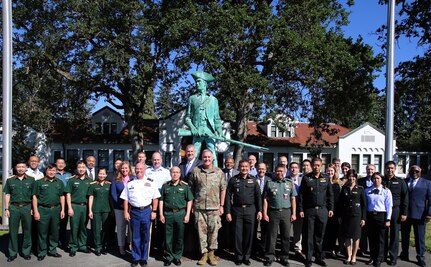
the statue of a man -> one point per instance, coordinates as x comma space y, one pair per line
203, 116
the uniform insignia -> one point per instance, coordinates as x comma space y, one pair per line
184, 183
131, 187
354, 192
108, 182
249, 181
180, 189
150, 179
394, 182
95, 182
147, 184
322, 180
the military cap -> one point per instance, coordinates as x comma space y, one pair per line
203, 75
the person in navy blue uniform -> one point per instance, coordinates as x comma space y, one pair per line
140, 208
316, 204
419, 213
400, 198
379, 212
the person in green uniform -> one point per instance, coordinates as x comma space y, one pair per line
48, 209
175, 205
18, 193
99, 210
76, 196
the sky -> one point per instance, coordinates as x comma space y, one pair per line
365, 18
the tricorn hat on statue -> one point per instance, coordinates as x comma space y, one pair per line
203, 75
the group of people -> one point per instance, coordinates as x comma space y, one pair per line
254, 207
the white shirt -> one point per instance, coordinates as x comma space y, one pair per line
189, 166
91, 172
36, 174
158, 176
140, 192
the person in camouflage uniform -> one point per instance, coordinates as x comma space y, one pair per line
209, 189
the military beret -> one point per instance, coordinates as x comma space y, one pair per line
203, 75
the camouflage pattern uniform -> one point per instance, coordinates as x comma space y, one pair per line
207, 185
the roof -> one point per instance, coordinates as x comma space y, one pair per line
107, 108
362, 126
303, 135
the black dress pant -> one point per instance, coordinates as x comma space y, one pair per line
376, 235
278, 218
313, 230
393, 242
243, 219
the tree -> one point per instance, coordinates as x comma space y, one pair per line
121, 50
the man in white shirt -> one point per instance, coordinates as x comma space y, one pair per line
140, 207
156, 173
252, 160
91, 163
33, 170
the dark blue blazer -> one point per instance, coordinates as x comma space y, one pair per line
419, 199
116, 189
183, 169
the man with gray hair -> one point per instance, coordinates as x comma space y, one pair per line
190, 163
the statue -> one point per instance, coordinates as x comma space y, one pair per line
203, 118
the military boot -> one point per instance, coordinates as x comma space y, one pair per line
204, 259
211, 258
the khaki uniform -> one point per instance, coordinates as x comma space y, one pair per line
207, 186
21, 192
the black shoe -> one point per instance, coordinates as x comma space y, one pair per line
238, 262
377, 264
72, 253
284, 262
360, 253
332, 254
404, 257
143, 263
247, 262
308, 264
97, 253
370, 262
104, 252
134, 264
321, 263
55, 255
9, 259
177, 262
267, 263
167, 263
392, 263
40, 258
27, 258
422, 263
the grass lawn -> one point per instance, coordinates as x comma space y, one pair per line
427, 238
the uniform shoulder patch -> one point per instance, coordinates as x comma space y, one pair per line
184, 183
150, 179
95, 182
108, 182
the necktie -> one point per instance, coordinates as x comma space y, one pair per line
188, 167
91, 174
412, 185
228, 175
261, 184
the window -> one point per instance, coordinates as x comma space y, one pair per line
273, 131
57, 154
368, 138
98, 127
268, 159
297, 158
106, 128
72, 157
355, 161
118, 154
326, 159
378, 163
401, 165
366, 159
103, 158
280, 134
114, 128
149, 155
220, 159
86, 153
424, 163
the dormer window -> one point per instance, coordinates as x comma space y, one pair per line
273, 131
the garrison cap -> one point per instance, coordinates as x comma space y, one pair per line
203, 75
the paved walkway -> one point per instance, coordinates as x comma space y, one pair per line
114, 259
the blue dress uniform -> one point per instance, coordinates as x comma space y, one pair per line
278, 194
243, 201
379, 210
400, 199
315, 200
140, 193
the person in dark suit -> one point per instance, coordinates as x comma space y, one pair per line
228, 169
419, 213
188, 165
227, 229
259, 236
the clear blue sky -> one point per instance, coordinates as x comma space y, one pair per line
365, 18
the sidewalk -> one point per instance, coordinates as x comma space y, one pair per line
113, 259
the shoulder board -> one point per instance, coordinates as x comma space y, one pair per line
150, 179
360, 186
184, 183
76, 176
108, 182
95, 182
13, 176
